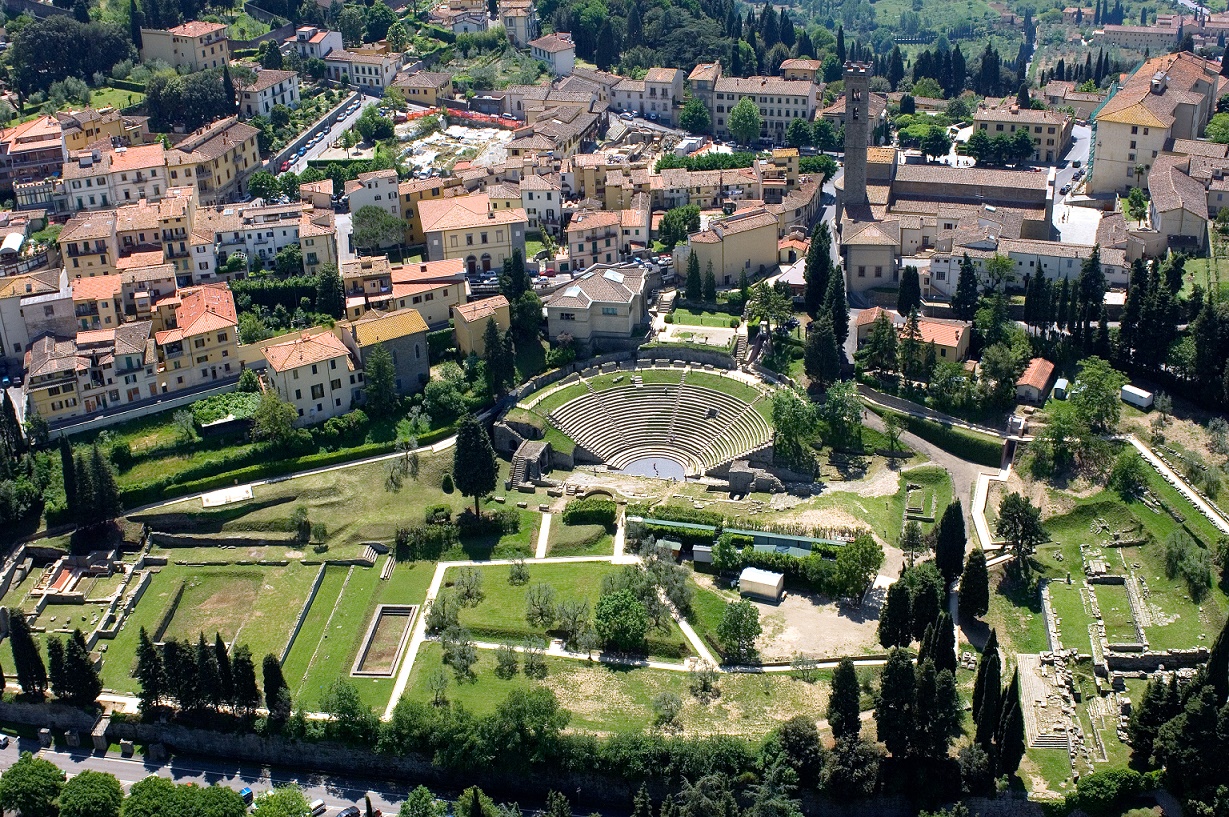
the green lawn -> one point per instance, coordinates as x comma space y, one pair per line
246, 27
115, 98
605, 699
707, 608
696, 317
249, 605
1116, 613
579, 540
1073, 619
501, 613
331, 652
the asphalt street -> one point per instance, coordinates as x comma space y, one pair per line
335, 132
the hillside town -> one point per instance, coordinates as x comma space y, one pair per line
312, 317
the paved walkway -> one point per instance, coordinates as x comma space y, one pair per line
1178, 481
543, 537
980, 495
903, 406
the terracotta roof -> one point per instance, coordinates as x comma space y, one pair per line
765, 85
379, 328
480, 310
365, 267
206, 308
808, 65
1181, 74
868, 316
25, 286
1014, 113
267, 78
1170, 188
153, 272
594, 220
350, 56
50, 355
324, 186
464, 212
554, 43
600, 284
304, 350
98, 288
424, 79
196, 28
1037, 374
660, 75
451, 270
705, 72
992, 177
85, 226
941, 333
140, 260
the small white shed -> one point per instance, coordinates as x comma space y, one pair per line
1060, 388
763, 584
1137, 397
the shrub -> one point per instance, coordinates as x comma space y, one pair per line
425, 542
491, 523
446, 484
669, 318
967, 445
735, 323
438, 515
219, 406
121, 455
675, 513
591, 511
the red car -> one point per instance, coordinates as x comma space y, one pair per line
285, 165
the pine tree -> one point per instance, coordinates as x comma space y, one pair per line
14, 442
642, 806
844, 707
150, 675
943, 650
56, 672
710, 284
228, 87
68, 468
474, 467
950, 540
27, 660
1218, 665
182, 681
975, 585
225, 676
964, 302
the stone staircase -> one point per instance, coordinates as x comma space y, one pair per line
369, 555
740, 348
518, 471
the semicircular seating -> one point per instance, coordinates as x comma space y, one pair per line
697, 426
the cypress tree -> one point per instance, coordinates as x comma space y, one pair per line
894, 708
844, 708
837, 306
817, 269
27, 660
950, 540
975, 585
896, 617
207, 673
243, 670
989, 656
150, 675
226, 678
694, 289
55, 668
135, 20
228, 86
277, 694
107, 502
84, 683
68, 467
1218, 665
1010, 737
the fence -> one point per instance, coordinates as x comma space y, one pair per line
25, 265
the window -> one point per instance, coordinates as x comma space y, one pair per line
317, 391
609, 310
567, 316
335, 384
298, 395
878, 272
314, 369
861, 272
1134, 129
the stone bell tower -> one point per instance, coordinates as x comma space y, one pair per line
857, 131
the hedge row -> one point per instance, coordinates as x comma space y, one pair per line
591, 511
438, 344
968, 445
127, 85
676, 513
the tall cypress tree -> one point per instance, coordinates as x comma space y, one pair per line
243, 670
1010, 737
844, 709
989, 656
975, 585
894, 708
837, 306
943, 650
56, 671
136, 19
225, 677
84, 683
1218, 665
27, 660
896, 617
950, 540
277, 693
207, 673
68, 468
818, 268
149, 673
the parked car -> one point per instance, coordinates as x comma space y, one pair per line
627, 116
246, 794
285, 165
317, 807
1064, 190
4, 741
1076, 163
349, 811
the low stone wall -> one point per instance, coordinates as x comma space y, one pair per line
307, 606
194, 540
1152, 660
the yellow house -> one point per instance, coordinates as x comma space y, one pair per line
745, 242
470, 320
84, 127
51, 378
434, 288
194, 46
317, 240
467, 227
425, 88
313, 373
198, 337
418, 190
218, 158
97, 303
88, 244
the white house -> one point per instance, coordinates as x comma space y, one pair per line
268, 89
556, 50
313, 373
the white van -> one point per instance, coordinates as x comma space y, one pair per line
317, 808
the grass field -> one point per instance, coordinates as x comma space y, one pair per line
266, 601
695, 317
1073, 619
579, 540
323, 654
1116, 613
604, 699
501, 613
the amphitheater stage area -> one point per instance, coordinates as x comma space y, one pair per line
672, 423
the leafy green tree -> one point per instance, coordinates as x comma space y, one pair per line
528, 725
474, 467
264, 185
738, 629
1129, 476
844, 704
270, 56
801, 748
975, 585
380, 18
621, 621
274, 419
820, 356
1097, 401
798, 133
282, 801
354, 722
773, 796
744, 121
878, 353
422, 803
856, 566
852, 768
768, 304
677, 224
31, 786
27, 659
694, 118
380, 380
91, 794
375, 227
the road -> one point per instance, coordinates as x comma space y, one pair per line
335, 132
336, 791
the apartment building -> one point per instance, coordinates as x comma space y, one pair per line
659, 95
606, 301
556, 50
377, 188
269, 89
745, 242
1168, 97
1154, 39
542, 201
1050, 130
85, 127
369, 72
466, 227
311, 43
97, 303
414, 191
780, 102
803, 69
31, 151
14, 335
367, 283
594, 236
98, 369
99, 178
425, 88
435, 289
219, 157
520, 22
317, 239
191, 47
197, 336
470, 320
402, 333
314, 373
88, 244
